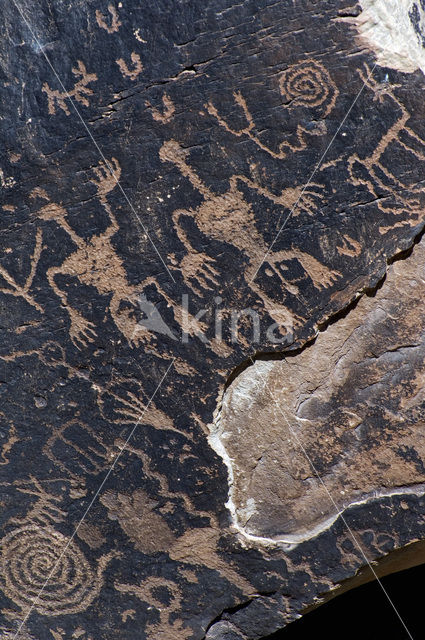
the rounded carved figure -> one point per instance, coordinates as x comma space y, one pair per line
308, 84
33, 555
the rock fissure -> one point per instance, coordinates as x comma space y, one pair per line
324, 392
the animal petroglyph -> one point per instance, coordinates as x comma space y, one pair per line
163, 628
305, 84
219, 215
374, 170
79, 92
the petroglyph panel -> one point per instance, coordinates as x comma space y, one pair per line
176, 164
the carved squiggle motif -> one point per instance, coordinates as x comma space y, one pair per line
167, 113
29, 554
35, 551
115, 23
137, 66
308, 84
304, 84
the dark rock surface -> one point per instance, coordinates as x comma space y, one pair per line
159, 150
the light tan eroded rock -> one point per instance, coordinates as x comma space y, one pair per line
352, 403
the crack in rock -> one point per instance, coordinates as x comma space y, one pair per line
351, 400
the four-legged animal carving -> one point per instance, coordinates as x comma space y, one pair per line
230, 218
379, 175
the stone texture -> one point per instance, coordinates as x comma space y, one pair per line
156, 150
349, 406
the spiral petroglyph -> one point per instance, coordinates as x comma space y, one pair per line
30, 555
308, 84
10, 634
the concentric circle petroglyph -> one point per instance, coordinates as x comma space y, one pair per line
30, 555
308, 84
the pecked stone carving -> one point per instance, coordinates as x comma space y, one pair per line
165, 166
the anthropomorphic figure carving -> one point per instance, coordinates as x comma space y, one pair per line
96, 264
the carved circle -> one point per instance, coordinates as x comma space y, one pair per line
31, 555
308, 84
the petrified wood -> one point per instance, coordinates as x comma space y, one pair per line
167, 471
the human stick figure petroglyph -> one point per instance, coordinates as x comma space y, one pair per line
14, 288
95, 263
